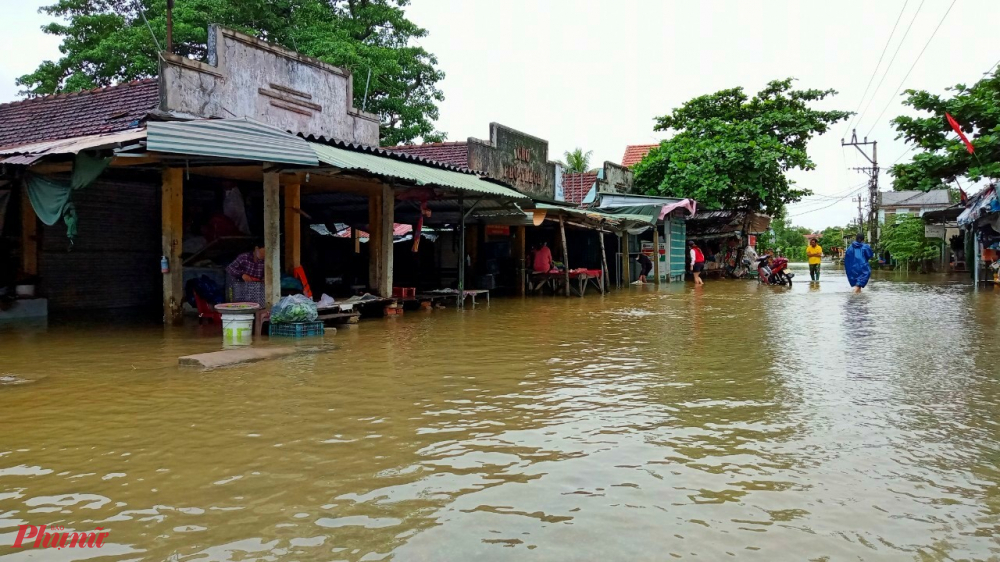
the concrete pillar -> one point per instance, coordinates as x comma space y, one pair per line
29, 235
656, 255
293, 227
172, 239
272, 237
381, 211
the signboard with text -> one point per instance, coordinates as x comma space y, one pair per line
517, 159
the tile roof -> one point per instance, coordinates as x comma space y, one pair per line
577, 186
636, 152
914, 198
90, 112
452, 153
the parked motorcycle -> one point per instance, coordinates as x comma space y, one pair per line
774, 271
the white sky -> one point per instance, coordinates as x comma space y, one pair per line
594, 73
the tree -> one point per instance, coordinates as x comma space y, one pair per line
577, 161
942, 157
732, 151
832, 237
905, 241
107, 41
787, 240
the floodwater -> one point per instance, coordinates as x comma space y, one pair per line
735, 421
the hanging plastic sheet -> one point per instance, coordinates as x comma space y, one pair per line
51, 198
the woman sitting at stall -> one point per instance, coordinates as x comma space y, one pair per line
246, 277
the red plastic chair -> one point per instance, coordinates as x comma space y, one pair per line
206, 311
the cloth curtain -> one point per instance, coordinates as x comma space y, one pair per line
51, 198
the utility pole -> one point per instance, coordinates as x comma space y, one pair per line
872, 172
861, 215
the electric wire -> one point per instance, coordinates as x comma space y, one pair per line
875, 71
893, 59
903, 81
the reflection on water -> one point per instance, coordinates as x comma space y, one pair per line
734, 420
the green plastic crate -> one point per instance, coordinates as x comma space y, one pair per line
297, 329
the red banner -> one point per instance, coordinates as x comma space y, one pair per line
961, 135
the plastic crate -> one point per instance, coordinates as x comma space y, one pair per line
297, 329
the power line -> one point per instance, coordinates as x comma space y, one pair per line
149, 27
862, 186
875, 71
903, 81
893, 59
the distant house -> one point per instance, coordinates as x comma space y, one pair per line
634, 153
894, 203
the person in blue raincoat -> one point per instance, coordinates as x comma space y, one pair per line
856, 263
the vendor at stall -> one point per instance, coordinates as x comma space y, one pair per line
246, 277
543, 259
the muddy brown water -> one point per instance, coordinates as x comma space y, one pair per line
735, 421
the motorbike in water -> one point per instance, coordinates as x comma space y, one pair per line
774, 271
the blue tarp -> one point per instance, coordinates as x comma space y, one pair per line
856, 263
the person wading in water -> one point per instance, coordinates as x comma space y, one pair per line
815, 254
856, 263
697, 262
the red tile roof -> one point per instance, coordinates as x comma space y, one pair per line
452, 153
636, 152
90, 112
577, 186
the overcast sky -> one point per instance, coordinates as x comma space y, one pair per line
594, 74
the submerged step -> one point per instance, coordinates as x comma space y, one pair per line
227, 357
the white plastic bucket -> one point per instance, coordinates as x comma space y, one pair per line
237, 329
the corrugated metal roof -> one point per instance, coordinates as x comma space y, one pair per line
914, 198
238, 139
75, 144
421, 175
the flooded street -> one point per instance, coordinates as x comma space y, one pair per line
735, 421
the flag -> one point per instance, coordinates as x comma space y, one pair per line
962, 195
961, 135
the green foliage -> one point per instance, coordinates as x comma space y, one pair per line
832, 237
785, 240
106, 42
577, 161
732, 151
905, 241
941, 156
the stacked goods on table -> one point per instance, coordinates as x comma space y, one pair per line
295, 316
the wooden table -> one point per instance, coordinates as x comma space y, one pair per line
454, 294
557, 281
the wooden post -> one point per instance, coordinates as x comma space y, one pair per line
172, 221
272, 237
461, 253
565, 249
29, 235
626, 262
381, 212
519, 259
293, 227
604, 264
356, 235
656, 255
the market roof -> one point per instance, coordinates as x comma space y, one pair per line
75, 114
576, 186
386, 167
237, 139
726, 222
451, 153
914, 198
634, 153
27, 154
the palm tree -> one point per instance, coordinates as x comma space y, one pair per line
577, 161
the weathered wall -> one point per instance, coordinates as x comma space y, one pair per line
617, 179
246, 77
517, 158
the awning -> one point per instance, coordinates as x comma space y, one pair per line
236, 139
390, 167
27, 154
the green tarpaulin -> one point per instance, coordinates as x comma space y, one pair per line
51, 197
